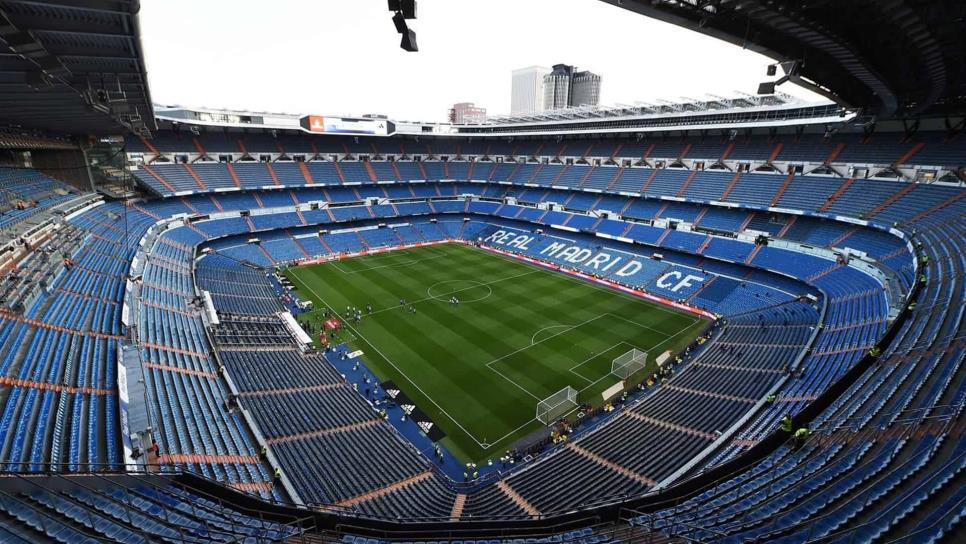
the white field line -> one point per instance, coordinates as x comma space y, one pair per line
592, 383
474, 286
399, 370
665, 341
641, 325
533, 338
485, 445
378, 257
568, 329
580, 281
396, 265
592, 357
518, 386
607, 375
335, 263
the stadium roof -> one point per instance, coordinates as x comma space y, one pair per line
898, 58
710, 113
73, 66
710, 103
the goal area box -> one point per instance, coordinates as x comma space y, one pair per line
557, 405
628, 363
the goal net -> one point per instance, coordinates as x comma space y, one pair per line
553, 407
628, 363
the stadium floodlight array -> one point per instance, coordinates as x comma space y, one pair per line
557, 405
628, 363
404, 10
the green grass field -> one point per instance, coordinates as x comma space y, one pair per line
519, 334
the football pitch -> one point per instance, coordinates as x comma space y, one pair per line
519, 334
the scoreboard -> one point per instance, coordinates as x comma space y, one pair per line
318, 124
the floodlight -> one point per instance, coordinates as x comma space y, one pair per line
403, 10
407, 7
400, 23
409, 41
767, 87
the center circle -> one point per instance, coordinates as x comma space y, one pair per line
464, 290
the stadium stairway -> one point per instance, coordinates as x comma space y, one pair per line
874, 491
516, 212
871, 484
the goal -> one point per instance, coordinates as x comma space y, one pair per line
553, 407
628, 363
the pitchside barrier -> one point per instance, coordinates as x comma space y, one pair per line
557, 405
628, 363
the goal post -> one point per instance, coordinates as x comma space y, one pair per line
628, 363
555, 406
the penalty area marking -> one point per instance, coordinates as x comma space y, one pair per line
568, 328
591, 358
393, 364
335, 264
511, 380
487, 443
533, 339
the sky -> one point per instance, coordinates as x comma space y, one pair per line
342, 57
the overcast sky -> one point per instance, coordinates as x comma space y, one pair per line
342, 57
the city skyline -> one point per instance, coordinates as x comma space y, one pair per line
526, 89
605, 40
467, 113
537, 88
565, 87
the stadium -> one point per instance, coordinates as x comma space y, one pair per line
721, 320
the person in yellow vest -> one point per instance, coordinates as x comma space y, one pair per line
786, 423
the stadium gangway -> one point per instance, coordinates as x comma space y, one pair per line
142, 475
679, 503
951, 516
680, 530
580, 530
682, 506
911, 416
852, 532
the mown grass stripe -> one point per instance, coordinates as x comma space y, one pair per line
441, 355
